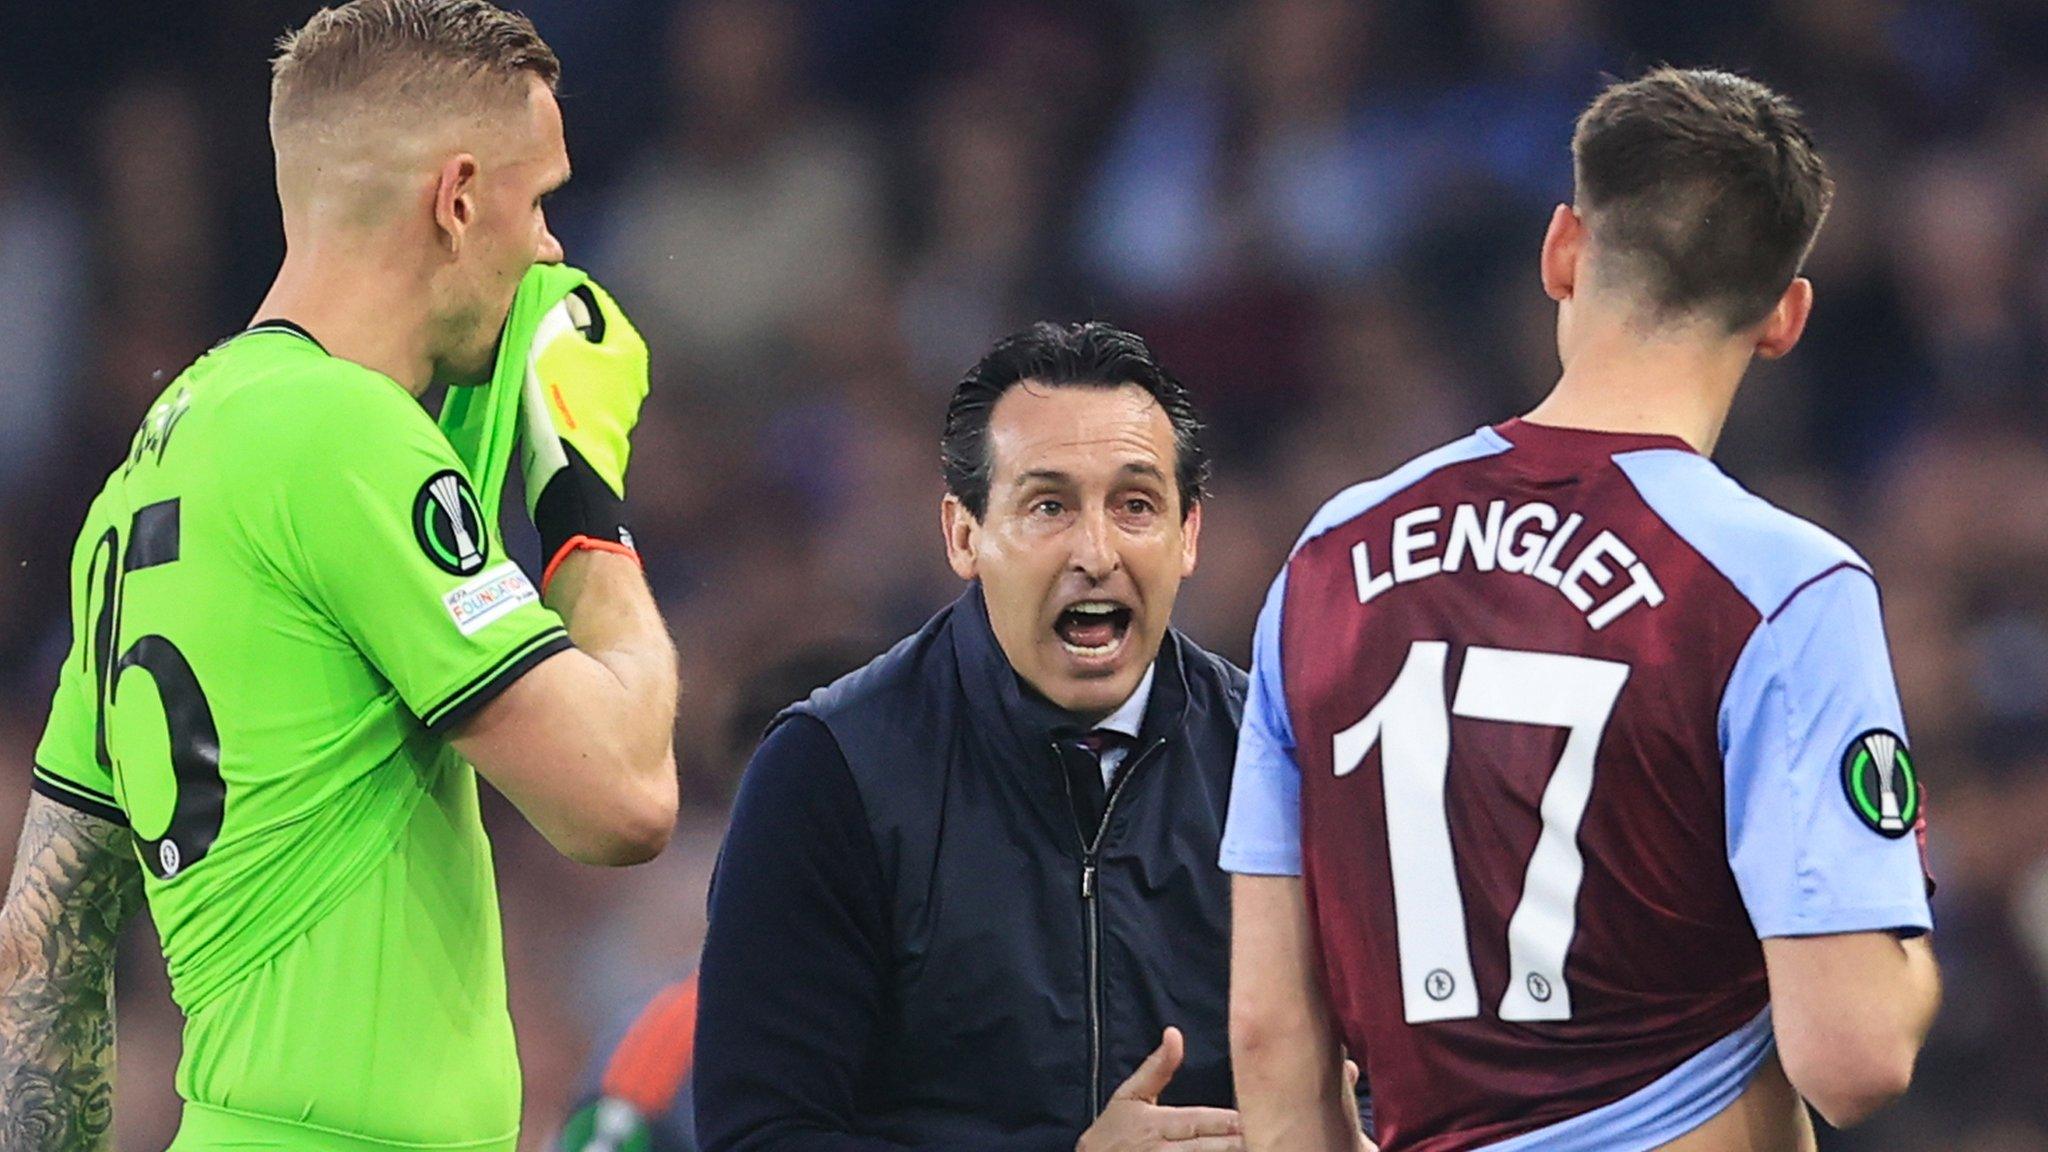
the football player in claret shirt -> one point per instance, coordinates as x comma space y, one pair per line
1573, 795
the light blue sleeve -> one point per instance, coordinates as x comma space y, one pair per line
1813, 682
1262, 834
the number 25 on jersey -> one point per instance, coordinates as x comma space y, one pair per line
126, 676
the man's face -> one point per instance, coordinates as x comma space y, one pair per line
518, 167
1083, 547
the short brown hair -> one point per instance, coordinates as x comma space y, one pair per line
1703, 189
396, 52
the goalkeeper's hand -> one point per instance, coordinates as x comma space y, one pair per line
586, 374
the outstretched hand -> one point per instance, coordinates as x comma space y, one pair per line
1135, 1121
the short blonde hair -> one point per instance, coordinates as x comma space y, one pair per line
453, 55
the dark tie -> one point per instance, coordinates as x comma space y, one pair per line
1082, 758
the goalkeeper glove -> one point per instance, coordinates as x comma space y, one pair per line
586, 374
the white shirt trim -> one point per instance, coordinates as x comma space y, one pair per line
1128, 719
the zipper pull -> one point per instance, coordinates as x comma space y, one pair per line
1088, 881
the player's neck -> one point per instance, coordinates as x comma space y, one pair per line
327, 290
1617, 381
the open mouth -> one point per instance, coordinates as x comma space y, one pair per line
1093, 628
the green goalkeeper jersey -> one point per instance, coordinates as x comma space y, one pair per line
282, 601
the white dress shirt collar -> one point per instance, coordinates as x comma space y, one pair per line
1130, 716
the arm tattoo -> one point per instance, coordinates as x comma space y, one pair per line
75, 882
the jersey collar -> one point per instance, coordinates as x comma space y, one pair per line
1555, 439
280, 324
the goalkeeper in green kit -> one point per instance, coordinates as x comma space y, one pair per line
295, 631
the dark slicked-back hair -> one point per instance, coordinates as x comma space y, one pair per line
403, 55
1703, 191
1090, 354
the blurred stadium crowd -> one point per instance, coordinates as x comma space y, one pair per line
1323, 213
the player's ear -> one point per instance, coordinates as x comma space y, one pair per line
1190, 539
1787, 322
455, 200
963, 534
1563, 243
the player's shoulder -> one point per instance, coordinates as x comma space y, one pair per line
1363, 497
275, 370
276, 394
1766, 552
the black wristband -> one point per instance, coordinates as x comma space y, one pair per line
575, 503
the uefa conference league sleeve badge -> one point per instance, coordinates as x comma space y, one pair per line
448, 520
1882, 786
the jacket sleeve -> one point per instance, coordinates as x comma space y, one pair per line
793, 987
